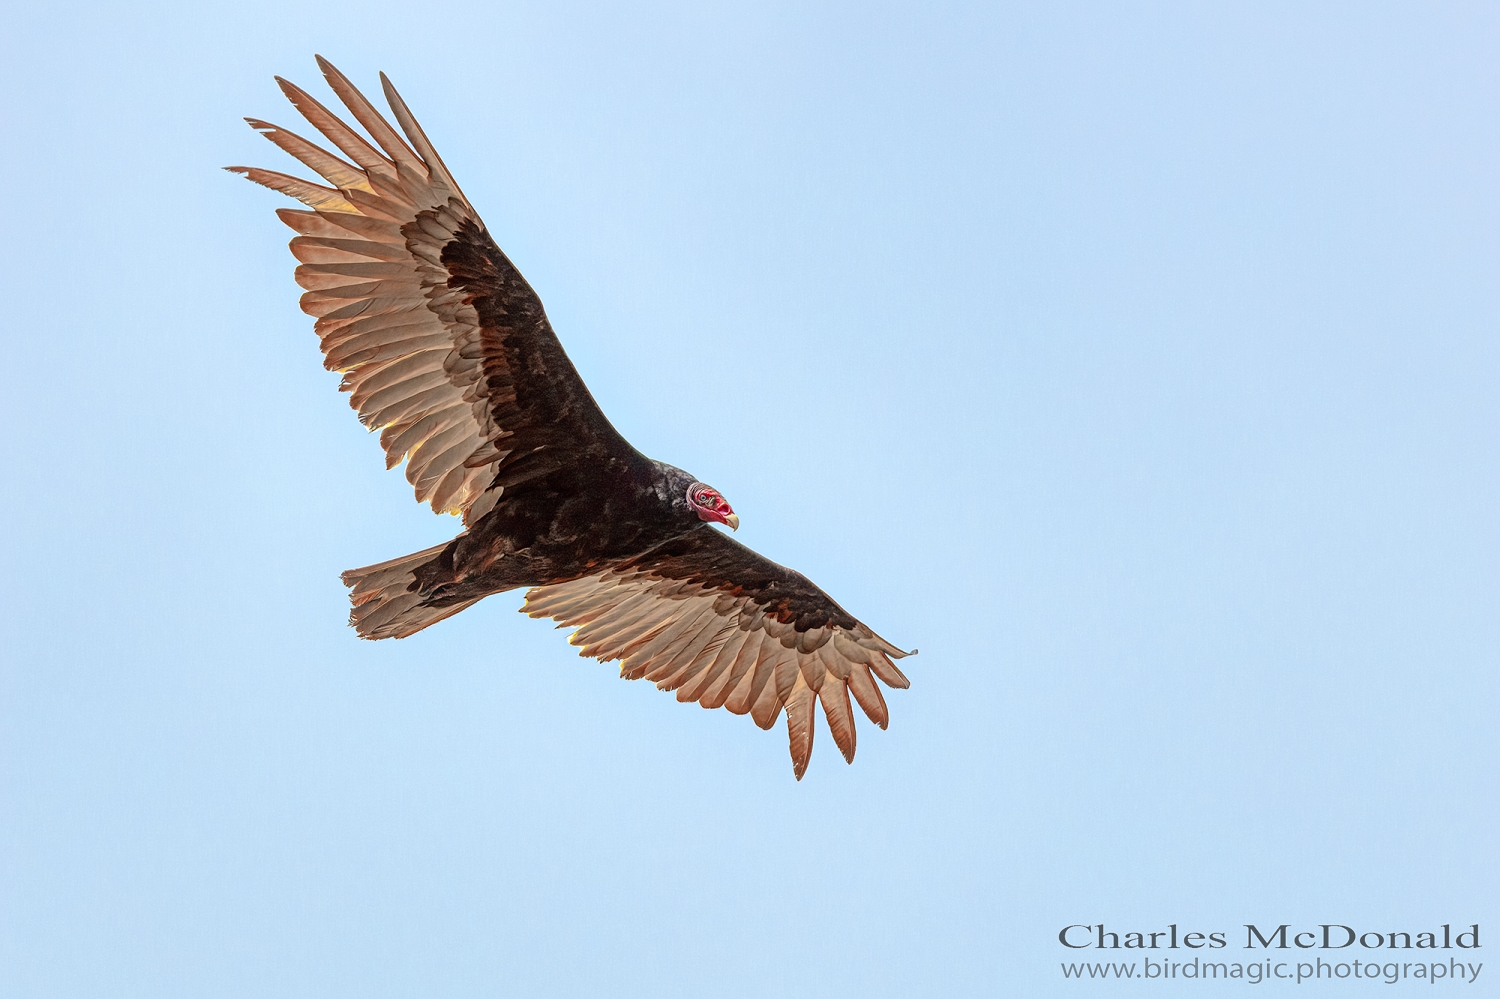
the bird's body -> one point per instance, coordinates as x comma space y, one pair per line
449, 353
558, 526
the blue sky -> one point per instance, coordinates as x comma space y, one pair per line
1136, 362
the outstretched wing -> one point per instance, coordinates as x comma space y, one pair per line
444, 346
721, 625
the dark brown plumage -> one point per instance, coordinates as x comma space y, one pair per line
448, 352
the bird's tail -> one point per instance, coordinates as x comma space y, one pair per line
386, 601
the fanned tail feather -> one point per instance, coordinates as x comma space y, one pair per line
387, 605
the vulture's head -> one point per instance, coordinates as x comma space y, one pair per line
709, 504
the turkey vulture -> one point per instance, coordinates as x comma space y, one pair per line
447, 351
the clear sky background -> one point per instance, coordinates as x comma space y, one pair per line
1137, 362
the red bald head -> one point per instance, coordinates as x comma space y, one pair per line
710, 504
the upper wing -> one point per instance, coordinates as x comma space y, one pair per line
445, 348
721, 625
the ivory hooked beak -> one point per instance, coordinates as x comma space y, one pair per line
733, 520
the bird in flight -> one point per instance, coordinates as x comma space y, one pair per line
447, 351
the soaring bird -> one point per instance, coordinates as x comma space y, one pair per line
447, 351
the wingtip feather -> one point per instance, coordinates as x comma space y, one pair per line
365, 113
418, 138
